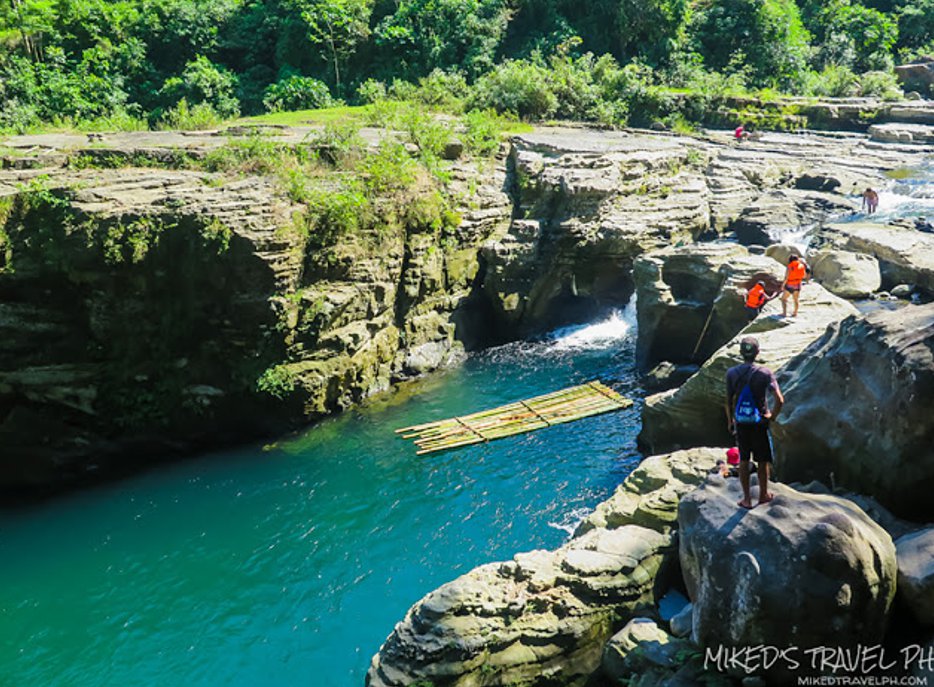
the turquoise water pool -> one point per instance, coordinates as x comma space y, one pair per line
289, 564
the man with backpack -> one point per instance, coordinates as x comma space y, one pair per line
748, 415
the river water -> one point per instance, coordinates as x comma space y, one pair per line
289, 564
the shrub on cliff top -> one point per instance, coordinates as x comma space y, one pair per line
297, 93
517, 86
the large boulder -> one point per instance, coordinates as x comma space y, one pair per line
499, 624
678, 289
918, 75
805, 570
846, 274
693, 414
916, 573
859, 410
906, 256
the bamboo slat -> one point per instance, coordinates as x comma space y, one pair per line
565, 405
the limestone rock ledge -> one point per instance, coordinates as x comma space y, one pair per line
693, 414
149, 312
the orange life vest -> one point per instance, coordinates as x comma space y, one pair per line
796, 273
756, 297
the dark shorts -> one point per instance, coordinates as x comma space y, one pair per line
752, 313
754, 440
791, 289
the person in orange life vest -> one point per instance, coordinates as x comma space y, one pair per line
756, 297
795, 274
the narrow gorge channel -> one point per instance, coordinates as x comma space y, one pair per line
289, 564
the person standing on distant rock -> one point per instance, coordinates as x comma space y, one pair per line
795, 274
740, 134
756, 298
748, 414
870, 200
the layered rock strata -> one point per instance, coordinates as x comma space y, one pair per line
153, 311
690, 299
588, 203
906, 256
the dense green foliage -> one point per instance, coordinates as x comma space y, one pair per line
174, 62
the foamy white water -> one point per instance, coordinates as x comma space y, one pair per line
617, 327
570, 520
911, 198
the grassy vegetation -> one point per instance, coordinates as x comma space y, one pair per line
343, 113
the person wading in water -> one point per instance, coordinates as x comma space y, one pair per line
748, 414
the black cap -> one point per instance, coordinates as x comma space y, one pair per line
792, 257
749, 347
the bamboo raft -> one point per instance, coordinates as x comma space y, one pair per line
567, 405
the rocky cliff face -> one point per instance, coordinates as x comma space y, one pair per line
589, 202
151, 311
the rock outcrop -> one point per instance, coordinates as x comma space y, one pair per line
801, 571
846, 274
915, 553
588, 202
917, 75
858, 410
649, 495
642, 650
920, 134
905, 256
499, 624
780, 210
678, 289
157, 311
693, 414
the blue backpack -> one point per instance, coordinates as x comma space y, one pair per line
746, 411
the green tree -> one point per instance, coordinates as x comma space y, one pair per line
916, 24
856, 36
765, 35
338, 26
423, 35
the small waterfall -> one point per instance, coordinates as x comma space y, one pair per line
617, 327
